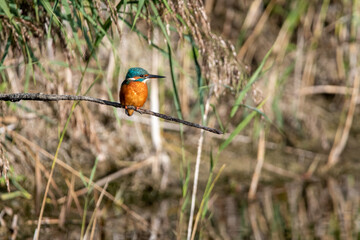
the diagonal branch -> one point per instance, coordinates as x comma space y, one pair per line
15, 97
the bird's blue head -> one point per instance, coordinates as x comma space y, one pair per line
139, 75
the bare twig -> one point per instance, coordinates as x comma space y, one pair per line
15, 97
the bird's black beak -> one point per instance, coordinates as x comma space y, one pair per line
154, 76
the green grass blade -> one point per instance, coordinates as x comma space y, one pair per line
199, 78
176, 94
6, 50
203, 205
167, 5
82, 177
29, 68
258, 111
50, 11
253, 78
160, 23
240, 127
51, 19
218, 118
6, 9
93, 170
209, 189
139, 9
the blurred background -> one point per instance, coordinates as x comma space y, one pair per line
279, 78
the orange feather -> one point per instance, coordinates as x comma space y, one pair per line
133, 94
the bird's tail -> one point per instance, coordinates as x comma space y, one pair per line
129, 112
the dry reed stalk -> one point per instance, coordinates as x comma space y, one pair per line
38, 184
232, 217
308, 77
166, 166
196, 179
43, 169
280, 171
62, 164
156, 220
312, 168
229, 18
155, 106
303, 220
325, 89
340, 208
268, 206
120, 173
294, 190
44, 221
201, 208
14, 227
4, 167
253, 14
340, 63
257, 30
47, 190
259, 165
263, 225
141, 138
197, 168
72, 195
254, 225
94, 215
64, 208
50, 180
279, 50
221, 225
298, 69
343, 131
313, 203
62, 216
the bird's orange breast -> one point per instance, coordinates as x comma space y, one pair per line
133, 94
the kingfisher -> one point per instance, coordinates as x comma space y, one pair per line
134, 91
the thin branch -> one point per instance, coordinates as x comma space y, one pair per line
15, 97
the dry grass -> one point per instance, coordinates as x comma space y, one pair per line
305, 171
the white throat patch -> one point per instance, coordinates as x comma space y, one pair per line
133, 79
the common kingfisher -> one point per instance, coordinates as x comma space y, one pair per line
134, 91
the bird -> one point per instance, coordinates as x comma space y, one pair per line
134, 90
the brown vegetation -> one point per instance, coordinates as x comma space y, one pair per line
292, 172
